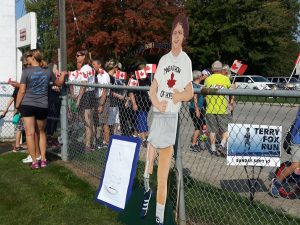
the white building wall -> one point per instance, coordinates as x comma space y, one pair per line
7, 62
7, 40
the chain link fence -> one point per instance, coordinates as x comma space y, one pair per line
7, 128
229, 186
53, 131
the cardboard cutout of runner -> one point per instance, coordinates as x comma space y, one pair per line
171, 85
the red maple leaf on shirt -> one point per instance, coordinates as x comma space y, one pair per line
171, 82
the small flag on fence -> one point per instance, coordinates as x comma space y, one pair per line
120, 75
140, 74
132, 82
238, 68
150, 68
297, 60
73, 74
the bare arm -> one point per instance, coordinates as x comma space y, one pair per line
161, 106
61, 80
20, 95
184, 95
132, 99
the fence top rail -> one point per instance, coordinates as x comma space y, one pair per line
205, 91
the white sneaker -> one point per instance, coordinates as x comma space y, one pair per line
28, 159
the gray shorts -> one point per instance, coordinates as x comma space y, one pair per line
217, 122
296, 152
163, 129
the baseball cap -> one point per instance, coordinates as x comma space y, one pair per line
217, 65
205, 72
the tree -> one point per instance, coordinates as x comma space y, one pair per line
115, 28
46, 11
260, 33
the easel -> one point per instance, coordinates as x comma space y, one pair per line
252, 182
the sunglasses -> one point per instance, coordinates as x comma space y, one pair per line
78, 55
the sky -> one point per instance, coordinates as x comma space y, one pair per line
20, 8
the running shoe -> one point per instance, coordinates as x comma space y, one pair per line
146, 201
35, 165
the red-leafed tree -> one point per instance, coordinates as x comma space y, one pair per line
115, 28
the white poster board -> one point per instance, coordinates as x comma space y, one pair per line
254, 145
117, 180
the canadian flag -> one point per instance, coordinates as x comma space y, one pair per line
140, 74
73, 74
132, 82
120, 75
101, 71
85, 75
91, 73
150, 68
238, 68
297, 60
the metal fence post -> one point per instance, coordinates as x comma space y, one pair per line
181, 219
64, 127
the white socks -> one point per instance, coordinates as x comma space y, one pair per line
146, 182
160, 211
223, 143
213, 148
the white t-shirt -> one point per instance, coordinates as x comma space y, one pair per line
87, 74
173, 72
103, 78
75, 76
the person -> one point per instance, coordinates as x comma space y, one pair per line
227, 72
276, 182
32, 103
247, 139
217, 112
171, 85
141, 104
20, 126
54, 103
102, 99
86, 99
195, 107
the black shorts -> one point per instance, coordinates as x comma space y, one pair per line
88, 100
32, 111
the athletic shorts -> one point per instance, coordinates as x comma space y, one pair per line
198, 122
142, 125
32, 111
217, 122
295, 149
163, 129
102, 117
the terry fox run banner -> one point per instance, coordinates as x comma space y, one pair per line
117, 180
254, 145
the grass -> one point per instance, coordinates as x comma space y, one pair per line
53, 195
217, 206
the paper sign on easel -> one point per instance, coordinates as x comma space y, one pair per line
118, 176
